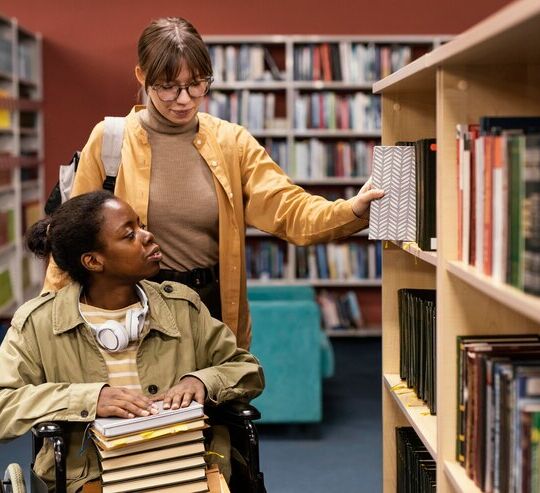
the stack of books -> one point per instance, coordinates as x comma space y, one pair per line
159, 453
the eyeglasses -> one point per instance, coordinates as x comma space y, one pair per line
195, 89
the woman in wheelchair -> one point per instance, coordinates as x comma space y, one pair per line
111, 343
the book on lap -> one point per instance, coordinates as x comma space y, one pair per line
149, 482
113, 427
155, 455
143, 470
194, 487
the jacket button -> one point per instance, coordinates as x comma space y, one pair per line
152, 389
84, 413
168, 288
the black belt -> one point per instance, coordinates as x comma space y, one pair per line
196, 278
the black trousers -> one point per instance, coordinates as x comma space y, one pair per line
204, 281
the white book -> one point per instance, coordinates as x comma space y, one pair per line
479, 202
112, 427
393, 217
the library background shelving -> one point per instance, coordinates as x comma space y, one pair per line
286, 126
491, 69
21, 161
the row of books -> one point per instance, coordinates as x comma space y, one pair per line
349, 62
254, 110
417, 348
407, 212
5, 113
161, 452
6, 47
266, 259
340, 311
330, 110
7, 226
341, 261
415, 467
315, 158
26, 61
498, 169
243, 63
498, 411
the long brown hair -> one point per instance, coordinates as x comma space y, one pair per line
168, 44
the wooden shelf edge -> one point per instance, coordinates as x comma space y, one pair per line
459, 479
412, 248
523, 303
361, 332
323, 283
418, 416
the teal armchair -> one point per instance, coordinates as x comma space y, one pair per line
293, 350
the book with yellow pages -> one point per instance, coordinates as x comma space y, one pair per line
162, 442
149, 482
135, 438
113, 427
194, 487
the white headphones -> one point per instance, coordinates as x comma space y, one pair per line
113, 336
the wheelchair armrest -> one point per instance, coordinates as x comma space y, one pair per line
234, 412
47, 429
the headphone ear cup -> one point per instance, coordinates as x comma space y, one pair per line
134, 322
112, 335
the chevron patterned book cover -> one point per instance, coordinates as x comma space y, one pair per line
394, 216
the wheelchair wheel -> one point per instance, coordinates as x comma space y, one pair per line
14, 479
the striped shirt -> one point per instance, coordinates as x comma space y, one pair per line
121, 365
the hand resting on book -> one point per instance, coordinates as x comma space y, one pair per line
189, 389
123, 403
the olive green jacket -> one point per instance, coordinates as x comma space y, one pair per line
51, 368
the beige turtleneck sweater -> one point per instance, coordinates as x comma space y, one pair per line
182, 208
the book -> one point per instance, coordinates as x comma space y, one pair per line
393, 217
130, 459
141, 437
174, 478
162, 442
113, 427
193, 487
166, 465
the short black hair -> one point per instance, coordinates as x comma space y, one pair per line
72, 230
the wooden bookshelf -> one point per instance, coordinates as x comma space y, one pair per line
491, 69
22, 151
287, 131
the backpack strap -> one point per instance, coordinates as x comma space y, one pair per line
111, 149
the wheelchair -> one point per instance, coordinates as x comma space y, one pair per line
236, 415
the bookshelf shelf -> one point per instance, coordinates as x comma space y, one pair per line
333, 86
320, 283
336, 133
412, 248
360, 332
520, 302
275, 85
459, 479
6, 189
488, 70
5, 75
7, 249
414, 410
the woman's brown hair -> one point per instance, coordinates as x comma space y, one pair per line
168, 44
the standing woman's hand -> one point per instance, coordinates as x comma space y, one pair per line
366, 194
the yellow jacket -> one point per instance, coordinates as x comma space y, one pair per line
52, 370
251, 190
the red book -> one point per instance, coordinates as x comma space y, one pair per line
325, 62
316, 63
473, 135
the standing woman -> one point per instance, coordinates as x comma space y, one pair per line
198, 181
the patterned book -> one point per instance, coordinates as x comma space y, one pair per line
394, 216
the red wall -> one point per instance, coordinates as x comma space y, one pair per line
89, 48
